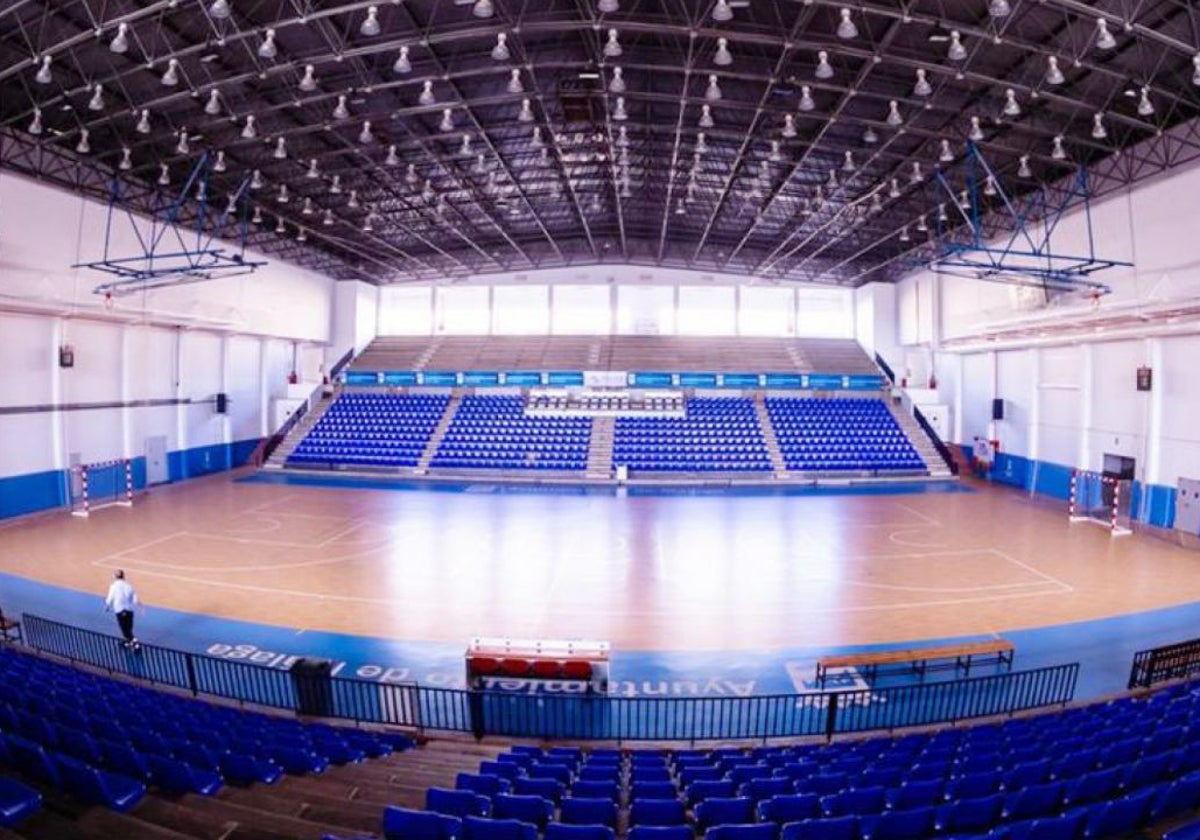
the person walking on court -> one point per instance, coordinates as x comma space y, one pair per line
123, 600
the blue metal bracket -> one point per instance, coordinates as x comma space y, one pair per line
1025, 254
189, 256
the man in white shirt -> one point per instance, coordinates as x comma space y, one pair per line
123, 600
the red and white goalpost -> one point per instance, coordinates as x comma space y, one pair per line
100, 485
1101, 500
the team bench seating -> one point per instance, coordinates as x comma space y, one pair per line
578, 661
919, 660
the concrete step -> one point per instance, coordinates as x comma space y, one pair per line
288, 446
769, 437
600, 447
439, 433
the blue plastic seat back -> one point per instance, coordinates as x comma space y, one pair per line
17, 802
658, 812
457, 803
743, 831
660, 832
1118, 816
916, 795
564, 831
484, 785
526, 808
588, 811
967, 816
96, 787
903, 824
790, 808
697, 792
588, 789
653, 790
410, 824
545, 788
828, 828
481, 828
720, 810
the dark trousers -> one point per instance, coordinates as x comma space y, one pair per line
125, 622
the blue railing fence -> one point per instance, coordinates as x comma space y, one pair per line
576, 715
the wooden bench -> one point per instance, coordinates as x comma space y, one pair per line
918, 660
10, 629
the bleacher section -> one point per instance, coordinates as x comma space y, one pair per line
1089, 773
717, 435
618, 352
372, 430
841, 435
493, 432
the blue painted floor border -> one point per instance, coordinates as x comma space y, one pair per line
1103, 647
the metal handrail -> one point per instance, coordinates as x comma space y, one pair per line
1162, 664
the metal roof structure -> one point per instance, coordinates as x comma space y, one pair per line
416, 140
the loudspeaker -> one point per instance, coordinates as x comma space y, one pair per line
997, 409
66, 356
222, 403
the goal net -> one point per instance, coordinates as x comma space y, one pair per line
101, 485
1102, 500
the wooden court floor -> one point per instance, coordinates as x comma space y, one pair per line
650, 573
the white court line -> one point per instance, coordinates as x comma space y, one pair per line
275, 525
893, 537
262, 567
116, 555
1047, 577
928, 519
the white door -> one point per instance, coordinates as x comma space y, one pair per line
156, 460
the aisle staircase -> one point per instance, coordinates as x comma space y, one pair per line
439, 433
279, 457
769, 438
921, 442
600, 448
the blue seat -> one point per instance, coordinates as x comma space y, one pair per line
720, 810
760, 789
1176, 797
588, 811
660, 832
544, 788
1032, 802
526, 808
503, 769
828, 828
598, 773
177, 778
1092, 787
299, 761
33, 761
856, 801
17, 802
481, 828
657, 812
790, 808
653, 790
745, 831
244, 770
565, 831
408, 824
973, 786
125, 760
649, 773
483, 785
916, 795
899, 825
698, 791
457, 803
588, 789
96, 787
969, 816
555, 772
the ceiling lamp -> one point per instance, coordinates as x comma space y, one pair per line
722, 12
365, 136
1099, 132
43, 75
500, 51
352, 201
327, 219
280, 227
612, 47
402, 65
619, 112
976, 132
832, 183
164, 175
904, 237
219, 163
706, 119
1054, 76
894, 189
335, 186
465, 148
308, 82
608, 7
392, 158
1196, 70
170, 77
427, 97
143, 124
1011, 107
1104, 38
483, 9
869, 136
83, 146
941, 216
267, 48
283, 197
480, 166
713, 92
1145, 107
922, 87
999, 8
956, 50
622, 138
120, 43
257, 218
1023, 171
1058, 152
824, 68
893, 116
410, 174
846, 30
964, 200
617, 83
535, 139
701, 144
525, 115
723, 57
989, 186
183, 147
848, 162
280, 152
341, 112
946, 155
213, 106
220, 9
514, 81
447, 123
922, 225
806, 99
370, 26
301, 235
789, 126
313, 171
249, 131
126, 160
96, 103
256, 180
427, 192
35, 125
915, 176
